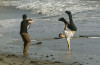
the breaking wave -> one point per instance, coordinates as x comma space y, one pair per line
51, 7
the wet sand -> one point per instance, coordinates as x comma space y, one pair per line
11, 59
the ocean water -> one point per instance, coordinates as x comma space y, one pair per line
49, 7
46, 26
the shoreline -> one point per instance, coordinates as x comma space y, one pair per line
12, 59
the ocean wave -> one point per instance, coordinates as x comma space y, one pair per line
9, 22
52, 7
0, 35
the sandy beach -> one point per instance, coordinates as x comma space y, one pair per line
12, 59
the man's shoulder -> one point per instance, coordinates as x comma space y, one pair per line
25, 21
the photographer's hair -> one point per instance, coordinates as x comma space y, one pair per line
24, 16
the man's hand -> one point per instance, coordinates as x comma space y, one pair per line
30, 19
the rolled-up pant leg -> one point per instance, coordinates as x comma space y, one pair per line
27, 41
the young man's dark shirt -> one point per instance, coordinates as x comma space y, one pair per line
23, 27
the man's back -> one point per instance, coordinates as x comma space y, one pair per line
23, 27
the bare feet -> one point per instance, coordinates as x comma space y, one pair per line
25, 52
69, 49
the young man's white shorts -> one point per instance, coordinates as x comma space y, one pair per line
68, 34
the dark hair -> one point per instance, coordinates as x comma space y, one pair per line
60, 34
24, 16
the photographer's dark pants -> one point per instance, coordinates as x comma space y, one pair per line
26, 40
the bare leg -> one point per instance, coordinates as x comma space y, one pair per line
68, 42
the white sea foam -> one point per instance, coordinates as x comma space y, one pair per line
52, 7
10, 22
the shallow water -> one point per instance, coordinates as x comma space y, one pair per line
45, 28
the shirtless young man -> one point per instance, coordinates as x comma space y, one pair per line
71, 26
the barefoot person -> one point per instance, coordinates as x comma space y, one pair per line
71, 26
24, 34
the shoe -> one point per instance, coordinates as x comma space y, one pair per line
63, 20
68, 12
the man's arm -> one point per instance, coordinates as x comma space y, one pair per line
66, 26
31, 21
68, 42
